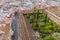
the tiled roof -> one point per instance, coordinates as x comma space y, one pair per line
7, 16
6, 29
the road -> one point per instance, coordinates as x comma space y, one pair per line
15, 27
30, 30
22, 31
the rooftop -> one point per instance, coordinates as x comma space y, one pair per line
6, 30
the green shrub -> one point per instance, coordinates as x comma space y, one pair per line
41, 15
34, 26
56, 36
47, 31
35, 20
48, 38
41, 31
56, 29
40, 28
42, 18
45, 19
44, 31
48, 27
41, 25
52, 23
28, 16
48, 23
31, 19
40, 38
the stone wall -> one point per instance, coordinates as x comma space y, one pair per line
53, 17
